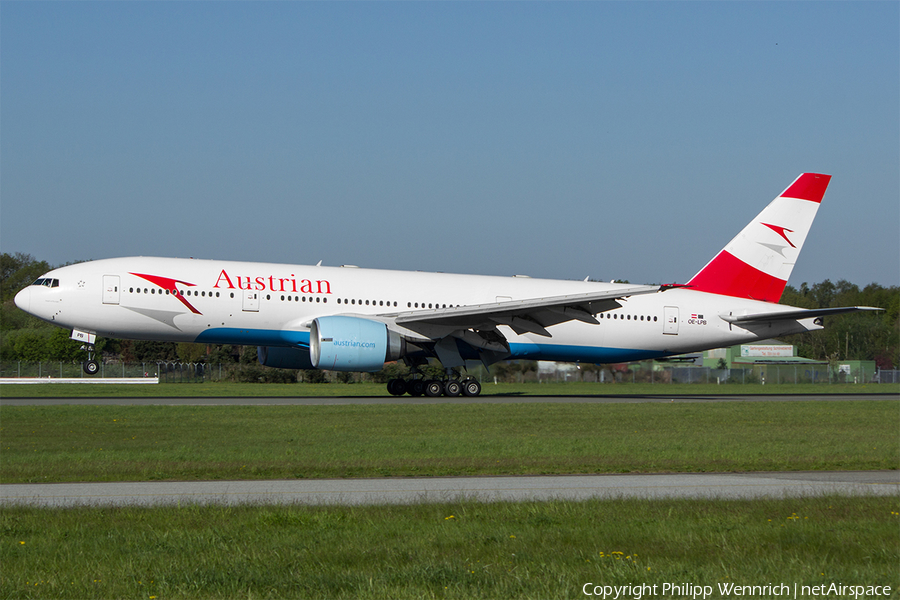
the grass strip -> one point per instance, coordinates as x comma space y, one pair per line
250, 390
138, 443
453, 550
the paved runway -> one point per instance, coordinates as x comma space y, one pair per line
487, 399
448, 489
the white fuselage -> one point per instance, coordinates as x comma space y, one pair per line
265, 304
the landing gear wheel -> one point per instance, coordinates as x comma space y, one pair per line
396, 387
416, 387
433, 388
471, 388
91, 367
452, 388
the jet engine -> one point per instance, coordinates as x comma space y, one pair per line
353, 344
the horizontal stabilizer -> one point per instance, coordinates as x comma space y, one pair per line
794, 314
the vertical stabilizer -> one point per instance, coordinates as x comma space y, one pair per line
758, 261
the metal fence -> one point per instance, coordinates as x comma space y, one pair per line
181, 372
166, 371
757, 374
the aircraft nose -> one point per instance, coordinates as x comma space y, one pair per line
23, 299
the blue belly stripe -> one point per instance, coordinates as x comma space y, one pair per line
254, 337
586, 354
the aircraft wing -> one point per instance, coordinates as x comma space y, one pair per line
793, 314
531, 315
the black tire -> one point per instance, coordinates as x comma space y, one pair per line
433, 388
416, 387
452, 388
471, 388
91, 367
396, 387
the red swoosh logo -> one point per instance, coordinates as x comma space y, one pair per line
780, 231
168, 283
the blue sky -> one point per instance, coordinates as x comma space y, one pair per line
562, 140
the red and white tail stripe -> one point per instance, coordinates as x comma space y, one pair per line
757, 263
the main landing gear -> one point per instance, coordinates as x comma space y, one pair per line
433, 387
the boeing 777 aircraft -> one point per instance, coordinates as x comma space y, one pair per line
351, 319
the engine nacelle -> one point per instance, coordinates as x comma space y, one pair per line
353, 344
283, 358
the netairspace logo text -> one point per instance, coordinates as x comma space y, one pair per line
733, 590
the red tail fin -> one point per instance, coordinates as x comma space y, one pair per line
757, 263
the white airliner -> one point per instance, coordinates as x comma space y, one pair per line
351, 319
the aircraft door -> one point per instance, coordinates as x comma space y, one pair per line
670, 320
251, 301
110, 289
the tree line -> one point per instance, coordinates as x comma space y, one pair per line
856, 336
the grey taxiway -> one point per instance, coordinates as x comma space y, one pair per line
450, 489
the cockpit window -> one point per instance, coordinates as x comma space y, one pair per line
47, 282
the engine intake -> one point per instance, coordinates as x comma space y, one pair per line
353, 344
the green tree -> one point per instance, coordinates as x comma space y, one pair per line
18, 270
854, 336
191, 353
153, 351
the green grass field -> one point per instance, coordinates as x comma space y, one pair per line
458, 550
452, 550
124, 443
216, 389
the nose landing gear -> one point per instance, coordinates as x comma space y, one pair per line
91, 366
